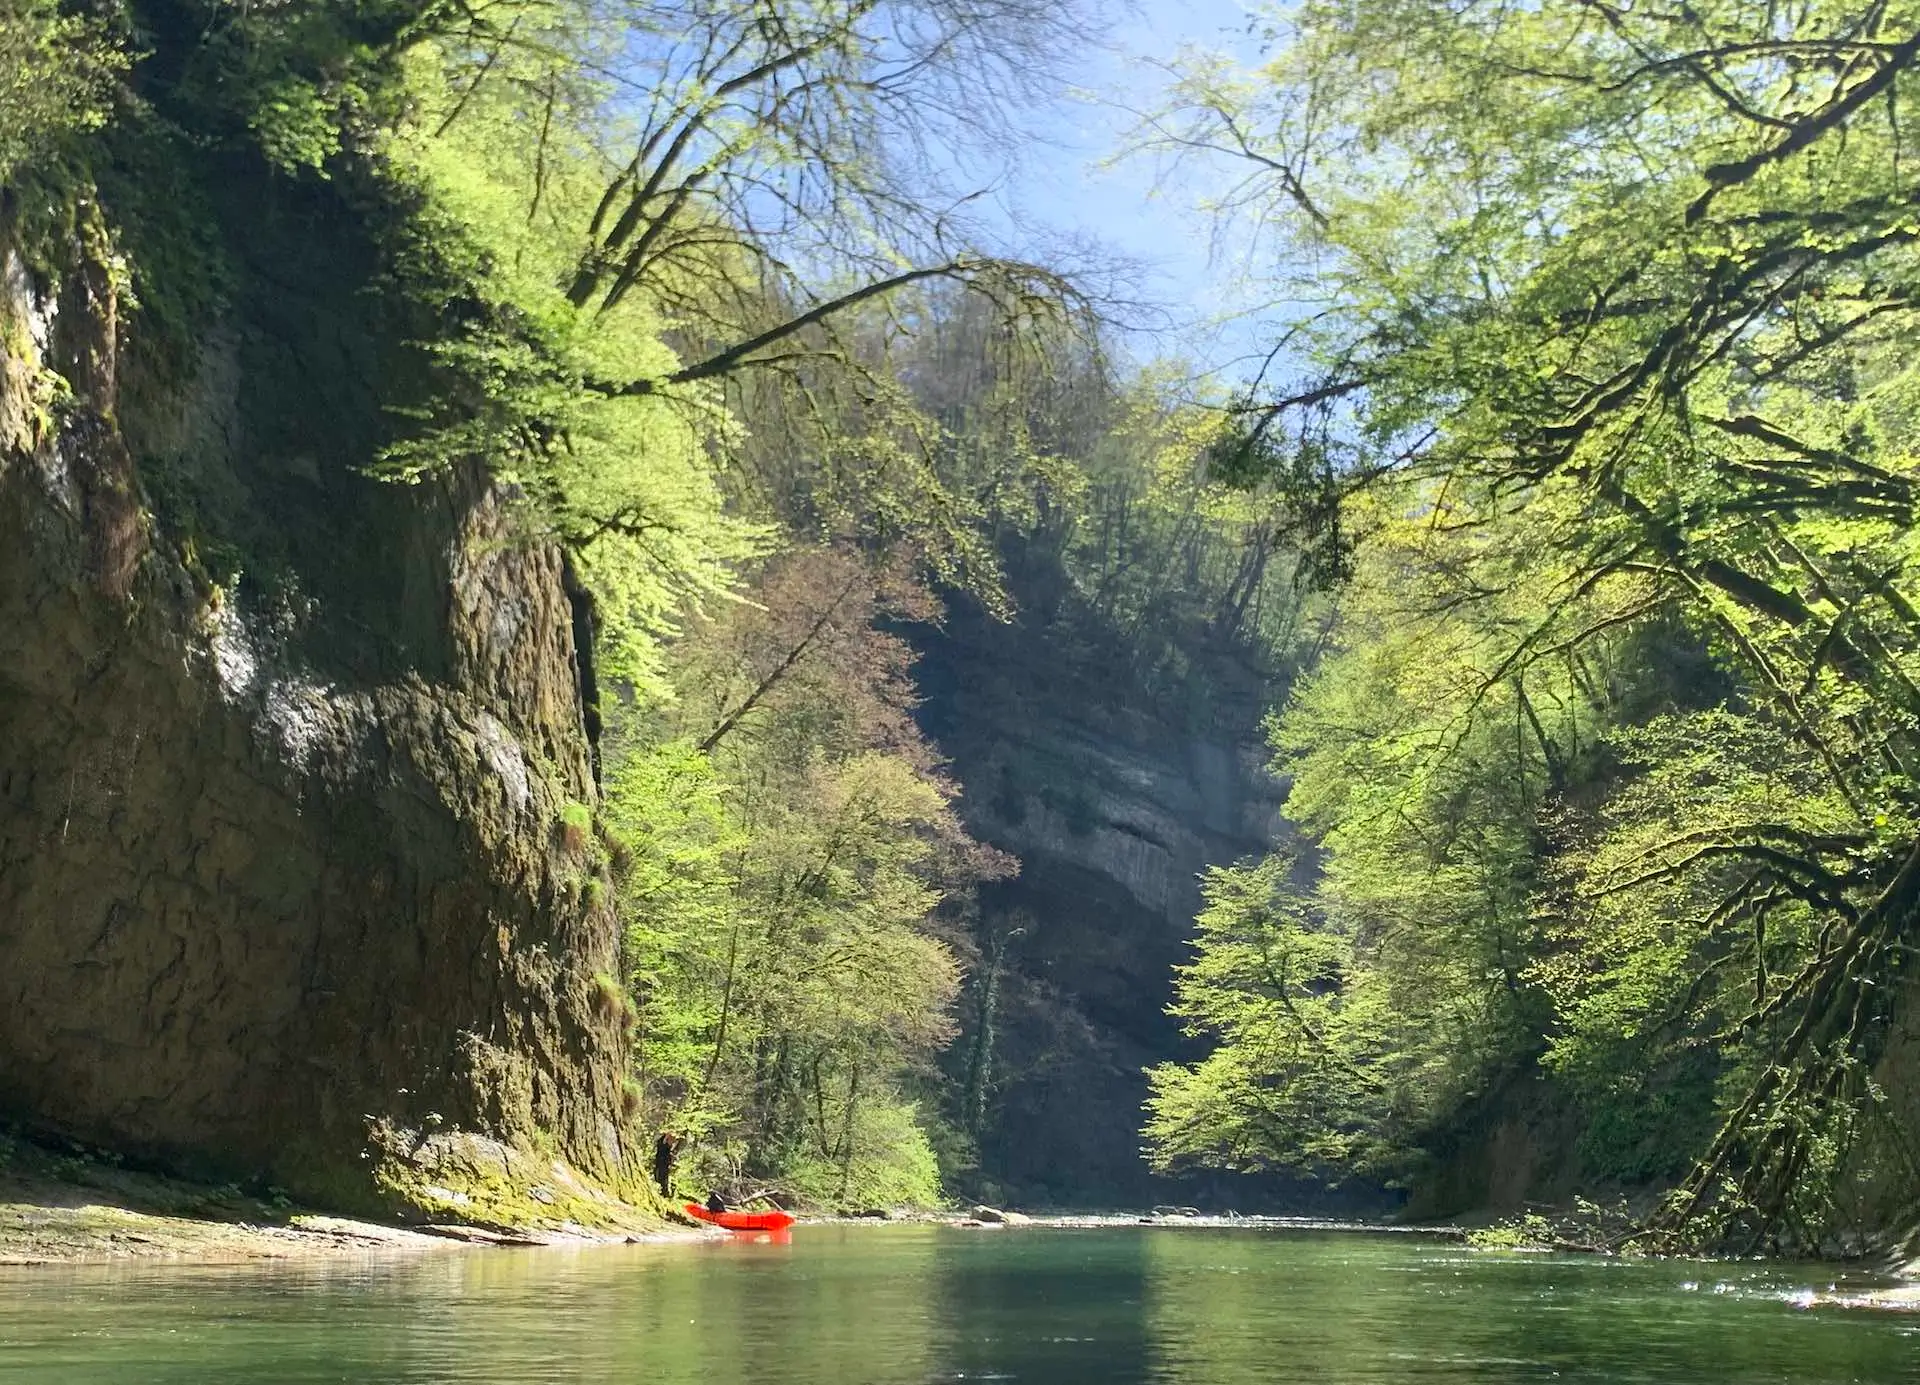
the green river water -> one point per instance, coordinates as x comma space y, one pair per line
922, 1303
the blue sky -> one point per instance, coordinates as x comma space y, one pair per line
1134, 208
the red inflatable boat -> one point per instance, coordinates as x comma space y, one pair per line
742, 1221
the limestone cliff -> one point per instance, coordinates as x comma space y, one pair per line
284, 886
1115, 789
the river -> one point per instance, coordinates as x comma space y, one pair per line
841, 1305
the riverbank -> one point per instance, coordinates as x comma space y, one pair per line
1900, 1294
78, 1208
78, 1205
992, 1217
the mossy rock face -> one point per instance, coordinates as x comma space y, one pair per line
277, 858
462, 1177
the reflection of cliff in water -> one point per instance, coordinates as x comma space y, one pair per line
1116, 786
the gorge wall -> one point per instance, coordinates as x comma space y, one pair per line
1116, 786
285, 890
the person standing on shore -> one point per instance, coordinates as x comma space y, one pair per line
664, 1151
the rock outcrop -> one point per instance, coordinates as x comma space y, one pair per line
284, 886
1115, 799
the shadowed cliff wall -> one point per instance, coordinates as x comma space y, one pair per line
283, 888
1115, 786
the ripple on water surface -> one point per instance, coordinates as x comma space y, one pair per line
920, 1304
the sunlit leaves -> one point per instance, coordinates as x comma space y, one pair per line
791, 843
1628, 290
56, 78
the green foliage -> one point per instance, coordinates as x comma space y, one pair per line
789, 847
1623, 295
576, 826
1300, 1075
298, 85
1101, 490
57, 74
882, 1156
1529, 1232
1585, 1226
1173, 555
604, 222
1424, 758
609, 996
625, 482
665, 806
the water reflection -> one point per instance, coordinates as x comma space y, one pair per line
1386, 1309
1053, 1306
906, 1305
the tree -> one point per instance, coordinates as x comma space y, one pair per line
1647, 271
792, 844
766, 166
57, 75
699, 225
1458, 701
